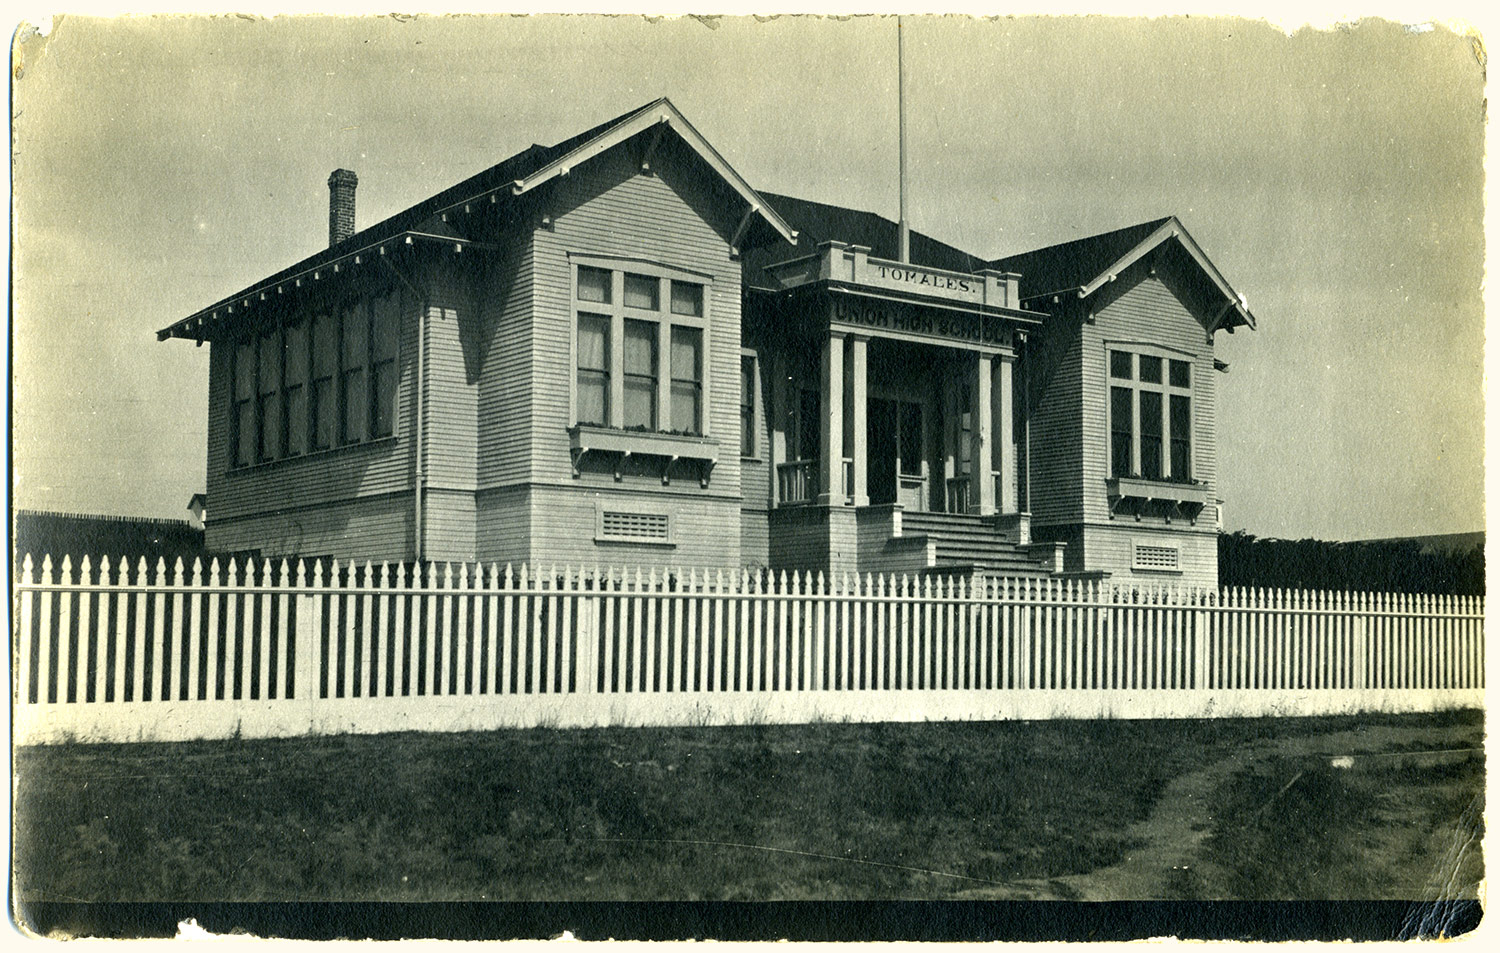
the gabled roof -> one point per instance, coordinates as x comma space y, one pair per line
1085, 265
516, 175
819, 222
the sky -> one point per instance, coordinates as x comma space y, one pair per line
1334, 176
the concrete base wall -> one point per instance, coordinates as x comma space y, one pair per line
181, 721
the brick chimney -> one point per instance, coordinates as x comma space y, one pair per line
341, 185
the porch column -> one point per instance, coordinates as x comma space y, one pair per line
831, 445
778, 423
1004, 402
981, 442
858, 432
952, 433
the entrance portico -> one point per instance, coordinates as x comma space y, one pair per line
894, 389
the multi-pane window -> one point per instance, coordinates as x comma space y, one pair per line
268, 404
244, 403
354, 356
325, 368
385, 332
315, 384
593, 368
1150, 416
640, 375
639, 357
687, 380
295, 403
747, 405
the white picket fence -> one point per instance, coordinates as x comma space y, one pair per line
104, 652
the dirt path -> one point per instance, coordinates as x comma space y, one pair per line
1172, 855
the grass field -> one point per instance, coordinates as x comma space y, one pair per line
1039, 810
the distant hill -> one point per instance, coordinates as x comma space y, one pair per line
1447, 544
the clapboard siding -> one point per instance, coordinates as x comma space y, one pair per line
607, 207
448, 524
564, 525
1054, 370
755, 482
328, 477
755, 537
814, 538
799, 538
502, 524
1111, 547
374, 528
1147, 311
450, 421
505, 398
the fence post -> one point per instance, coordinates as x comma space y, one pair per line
1357, 631
305, 605
1200, 639
21, 674
589, 606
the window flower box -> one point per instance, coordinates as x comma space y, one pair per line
623, 444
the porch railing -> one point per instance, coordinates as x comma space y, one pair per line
797, 481
958, 495
794, 481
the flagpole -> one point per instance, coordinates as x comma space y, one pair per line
904, 231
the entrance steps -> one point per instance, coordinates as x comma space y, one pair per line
969, 541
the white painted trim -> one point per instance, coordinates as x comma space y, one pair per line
154, 721
1172, 228
661, 111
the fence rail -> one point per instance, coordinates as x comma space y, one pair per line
101, 647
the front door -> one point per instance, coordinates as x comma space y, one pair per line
881, 443
896, 472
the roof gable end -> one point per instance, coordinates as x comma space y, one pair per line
633, 124
1085, 265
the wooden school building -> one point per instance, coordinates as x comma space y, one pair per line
614, 350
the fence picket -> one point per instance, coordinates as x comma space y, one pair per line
94, 632
23, 656
65, 650
85, 633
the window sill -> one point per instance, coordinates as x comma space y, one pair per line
1138, 496
378, 442
585, 439
628, 541
1142, 489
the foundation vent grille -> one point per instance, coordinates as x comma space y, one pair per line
1158, 558
654, 527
